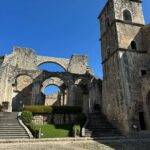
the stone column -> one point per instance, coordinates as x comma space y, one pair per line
36, 96
71, 95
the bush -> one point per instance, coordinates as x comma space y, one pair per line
38, 109
26, 117
53, 109
76, 130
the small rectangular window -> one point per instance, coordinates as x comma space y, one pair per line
143, 72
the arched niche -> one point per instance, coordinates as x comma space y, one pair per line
23, 82
22, 92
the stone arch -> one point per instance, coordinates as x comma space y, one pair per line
22, 92
62, 62
53, 63
127, 15
58, 98
52, 81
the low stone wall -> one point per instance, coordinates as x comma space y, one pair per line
54, 119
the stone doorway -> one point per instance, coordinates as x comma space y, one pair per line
148, 110
142, 121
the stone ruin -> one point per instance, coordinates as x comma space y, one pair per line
23, 83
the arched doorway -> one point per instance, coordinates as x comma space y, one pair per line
22, 92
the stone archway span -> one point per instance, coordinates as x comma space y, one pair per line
64, 63
52, 81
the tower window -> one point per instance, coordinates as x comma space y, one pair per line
133, 45
143, 72
127, 15
107, 21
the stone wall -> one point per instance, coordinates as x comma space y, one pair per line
53, 99
134, 7
22, 83
57, 119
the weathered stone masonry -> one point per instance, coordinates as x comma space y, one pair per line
22, 83
126, 62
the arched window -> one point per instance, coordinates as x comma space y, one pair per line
107, 21
133, 45
127, 15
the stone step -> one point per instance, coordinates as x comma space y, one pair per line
14, 137
99, 126
10, 126
12, 129
13, 133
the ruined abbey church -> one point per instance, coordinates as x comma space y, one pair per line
124, 93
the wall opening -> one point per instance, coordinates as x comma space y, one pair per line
148, 106
107, 22
52, 95
133, 45
143, 72
51, 89
127, 15
51, 67
142, 121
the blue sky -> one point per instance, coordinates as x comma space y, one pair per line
56, 28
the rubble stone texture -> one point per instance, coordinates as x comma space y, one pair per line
23, 83
125, 41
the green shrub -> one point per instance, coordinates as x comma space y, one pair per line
38, 109
26, 117
53, 109
76, 130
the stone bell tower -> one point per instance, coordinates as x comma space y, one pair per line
121, 43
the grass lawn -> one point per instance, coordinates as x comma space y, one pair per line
53, 131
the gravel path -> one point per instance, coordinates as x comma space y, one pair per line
79, 145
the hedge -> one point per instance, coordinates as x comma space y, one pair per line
26, 117
53, 109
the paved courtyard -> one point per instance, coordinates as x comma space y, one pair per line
78, 145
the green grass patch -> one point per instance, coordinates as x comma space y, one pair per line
53, 131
